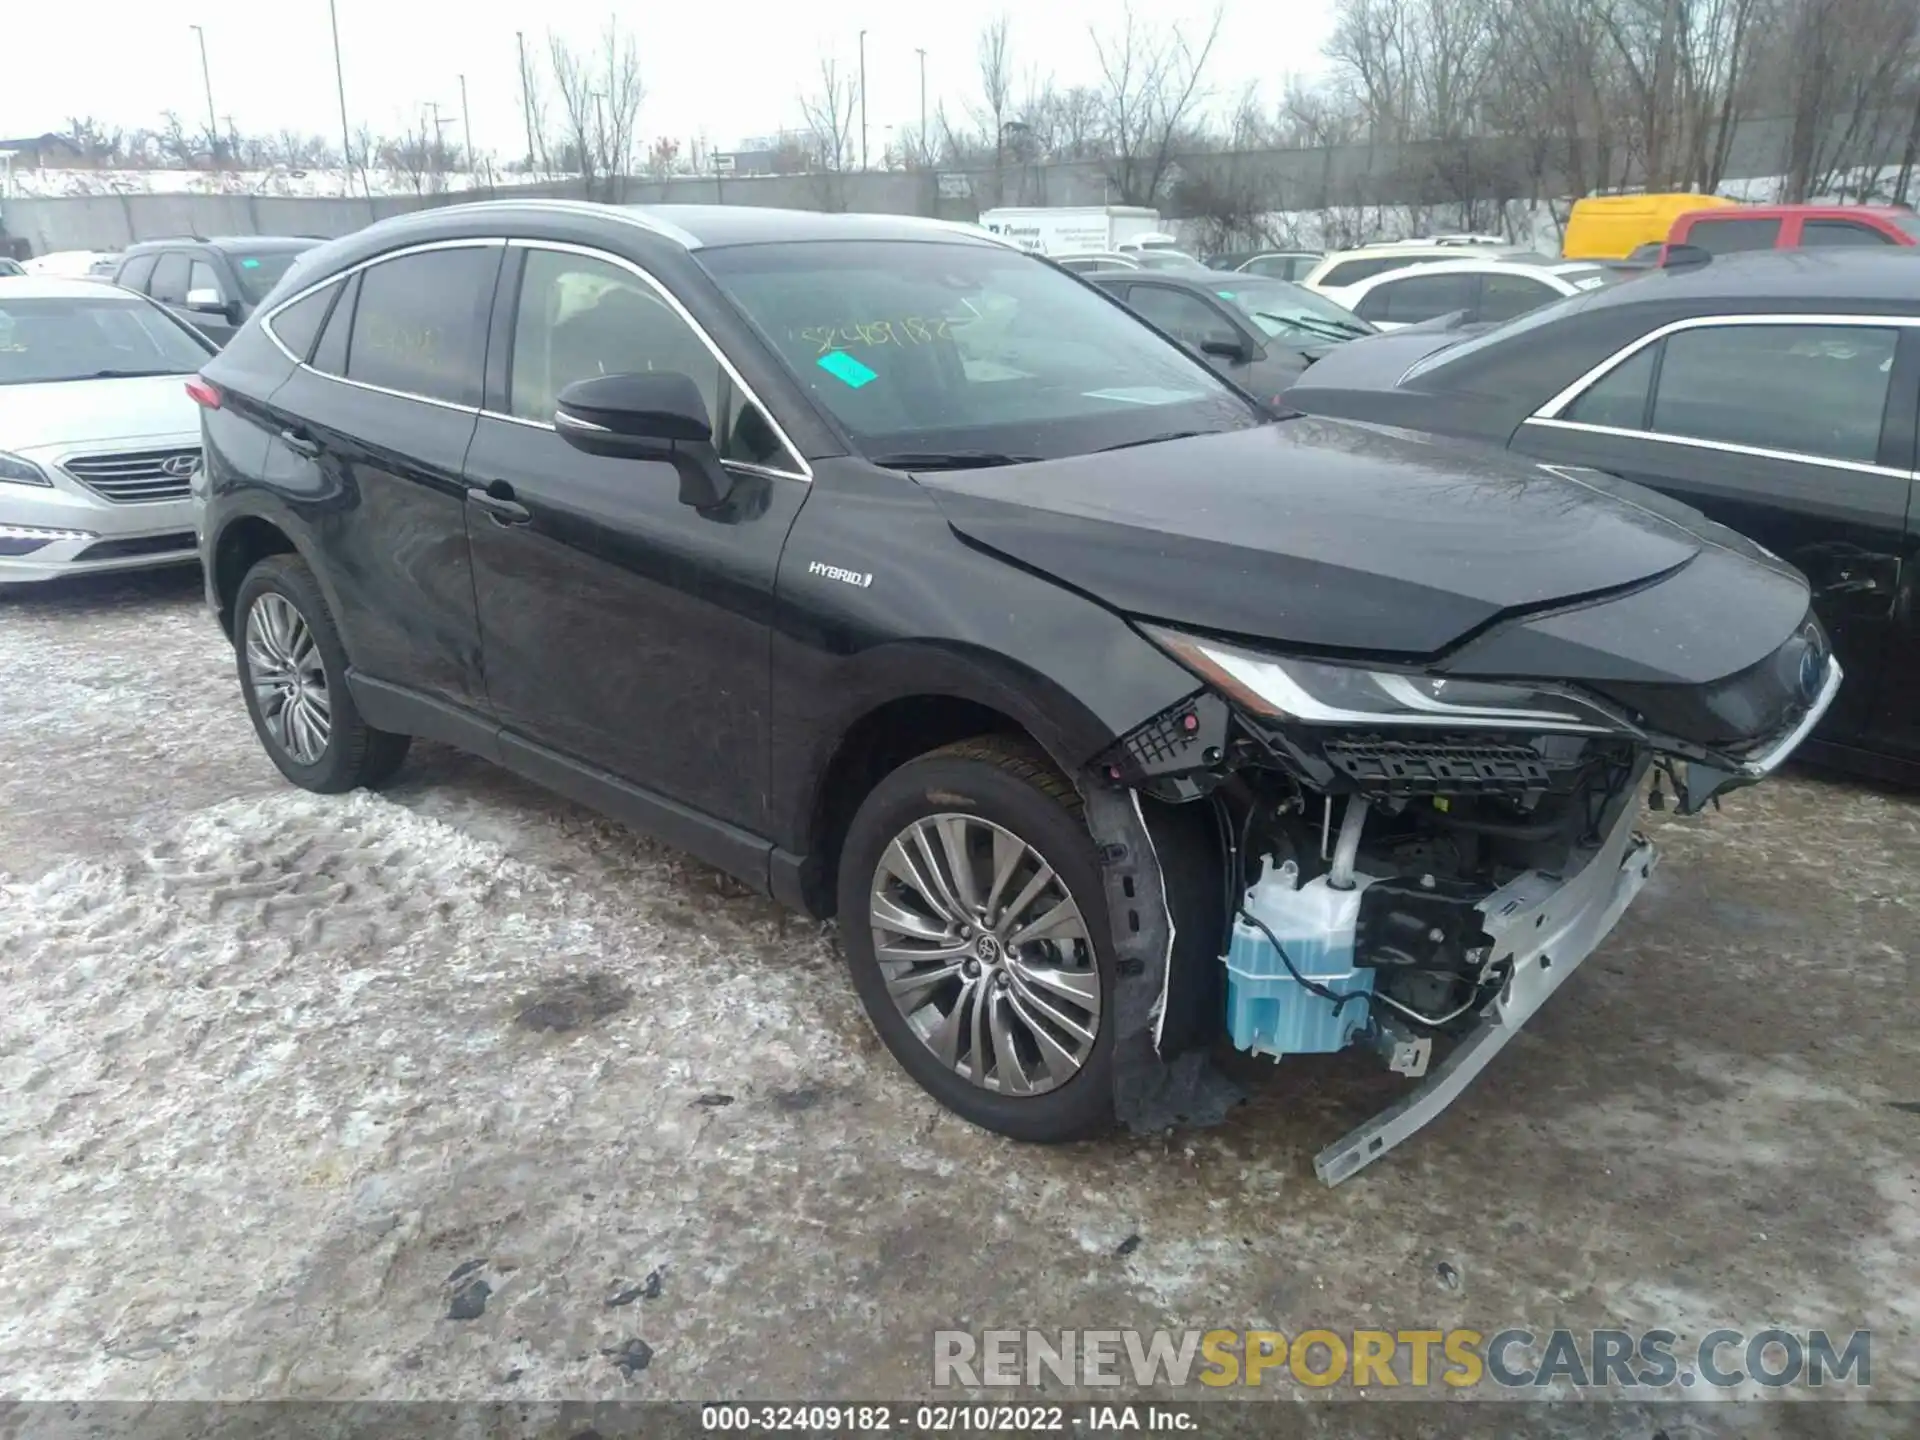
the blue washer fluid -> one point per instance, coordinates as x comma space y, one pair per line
1268, 1011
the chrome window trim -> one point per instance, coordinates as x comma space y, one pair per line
1551, 410
805, 472
1729, 447
340, 277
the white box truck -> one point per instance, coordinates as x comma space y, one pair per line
1074, 229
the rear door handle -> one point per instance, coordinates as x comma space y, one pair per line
302, 445
503, 510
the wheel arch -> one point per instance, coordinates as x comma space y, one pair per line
936, 698
245, 538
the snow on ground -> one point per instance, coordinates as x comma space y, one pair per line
461, 1091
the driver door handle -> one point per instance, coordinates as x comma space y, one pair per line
504, 509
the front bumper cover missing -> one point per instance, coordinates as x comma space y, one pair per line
1544, 927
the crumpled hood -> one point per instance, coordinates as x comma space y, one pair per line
80, 412
1317, 534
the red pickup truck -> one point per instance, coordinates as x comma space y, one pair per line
1792, 227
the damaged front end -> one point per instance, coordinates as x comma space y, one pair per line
1406, 861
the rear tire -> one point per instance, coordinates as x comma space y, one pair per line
987, 991
293, 676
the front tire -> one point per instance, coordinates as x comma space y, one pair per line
975, 925
293, 676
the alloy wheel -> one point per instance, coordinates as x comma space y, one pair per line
986, 954
288, 678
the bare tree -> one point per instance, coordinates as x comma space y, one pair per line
1846, 65
600, 94
1150, 93
414, 157
829, 115
533, 97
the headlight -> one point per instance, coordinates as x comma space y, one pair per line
1314, 692
15, 471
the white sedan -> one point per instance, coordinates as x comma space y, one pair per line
1481, 291
98, 436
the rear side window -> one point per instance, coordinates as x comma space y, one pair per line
1352, 272
1809, 389
135, 274
297, 326
1726, 237
1840, 232
1619, 398
1504, 296
330, 355
1417, 297
421, 323
170, 277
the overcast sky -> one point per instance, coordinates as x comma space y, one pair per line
727, 69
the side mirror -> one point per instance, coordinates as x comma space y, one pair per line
1225, 349
652, 415
207, 301
1678, 255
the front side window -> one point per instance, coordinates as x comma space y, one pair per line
1808, 389
202, 278
102, 337
135, 274
579, 317
918, 346
1728, 237
170, 277
1187, 318
421, 323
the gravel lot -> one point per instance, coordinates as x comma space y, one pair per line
274, 1072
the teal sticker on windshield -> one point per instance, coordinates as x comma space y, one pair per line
847, 370
249, 264
1224, 294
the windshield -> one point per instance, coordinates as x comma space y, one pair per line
260, 273
1279, 307
108, 337
928, 348
1910, 224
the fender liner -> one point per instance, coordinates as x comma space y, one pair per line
1151, 1091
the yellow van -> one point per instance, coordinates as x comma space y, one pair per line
1611, 227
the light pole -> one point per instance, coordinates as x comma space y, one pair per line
926, 156
863, 99
206, 79
466, 124
340, 84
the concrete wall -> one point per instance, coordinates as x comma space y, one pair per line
1295, 180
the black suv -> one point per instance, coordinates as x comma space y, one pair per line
213, 285
910, 578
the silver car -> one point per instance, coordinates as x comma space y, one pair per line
99, 439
